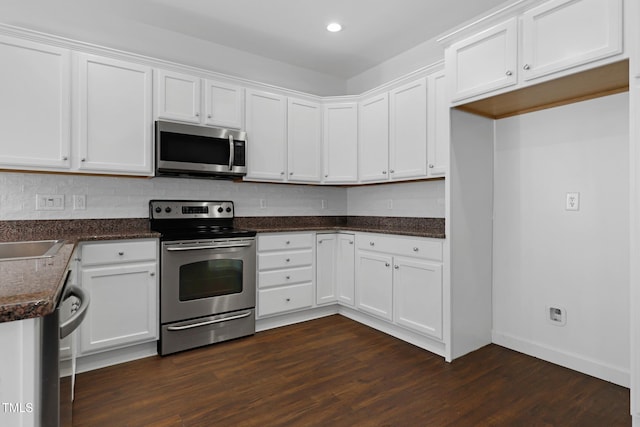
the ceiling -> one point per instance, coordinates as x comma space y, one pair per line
290, 31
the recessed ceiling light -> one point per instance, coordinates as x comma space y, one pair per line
334, 27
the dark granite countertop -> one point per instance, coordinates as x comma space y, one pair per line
31, 288
407, 226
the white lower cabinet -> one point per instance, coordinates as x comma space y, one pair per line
345, 269
285, 272
399, 279
326, 274
121, 280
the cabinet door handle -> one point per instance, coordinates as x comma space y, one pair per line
83, 159
288, 277
396, 267
151, 273
326, 175
392, 171
288, 260
371, 244
209, 116
416, 249
384, 172
509, 73
65, 158
121, 253
197, 114
431, 165
281, 172
386, 264
526, 67
288, 299
351, 242
288, 242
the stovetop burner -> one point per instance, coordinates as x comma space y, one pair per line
191, 219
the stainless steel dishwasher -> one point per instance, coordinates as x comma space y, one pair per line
57, 390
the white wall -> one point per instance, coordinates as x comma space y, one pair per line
110, 197
545, 255
109, 28
411, 60
408, 199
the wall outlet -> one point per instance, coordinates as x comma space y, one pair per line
556, 315
263, 203
573, 202
79, 202
390, 204
323, 204
49, 202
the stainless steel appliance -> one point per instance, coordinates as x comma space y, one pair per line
207, 274
57, 386
199, 151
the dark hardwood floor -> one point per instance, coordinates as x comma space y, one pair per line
336, 372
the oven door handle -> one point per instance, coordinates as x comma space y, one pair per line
193, 248
209, 322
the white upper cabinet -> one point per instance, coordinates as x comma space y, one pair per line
304, 123
266, 125
408, 131
223, 104
179, 97
564, 33
35, 107
114, 116
484, 62
373, 139
340, 143
438, 126
184, 97
556, 37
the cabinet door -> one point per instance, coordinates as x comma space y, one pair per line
224, 104
345, 269
373, 139
374, 288
438, 126
341, 143
484, 62
304, 141
35, 122
123, 308
563, 33
408, 131
178, 97
266, 124
326, 258
114, 123
418, 295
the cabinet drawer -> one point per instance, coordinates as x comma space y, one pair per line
419, 248
285, 298
279, 242
281, 260
267, 279
119, 251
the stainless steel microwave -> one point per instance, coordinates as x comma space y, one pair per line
199, 151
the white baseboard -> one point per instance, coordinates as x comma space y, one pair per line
115, 357
295, 317
574, 361
399, 332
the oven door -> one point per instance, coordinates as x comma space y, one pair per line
201, 278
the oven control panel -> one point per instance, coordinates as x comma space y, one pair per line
185, 209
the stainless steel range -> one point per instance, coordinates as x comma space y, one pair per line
207, 274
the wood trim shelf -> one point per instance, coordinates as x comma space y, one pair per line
594, 83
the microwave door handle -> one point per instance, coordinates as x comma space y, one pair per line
231, 153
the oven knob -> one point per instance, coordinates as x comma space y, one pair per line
158, 209
167, 209
228, 209
220, 209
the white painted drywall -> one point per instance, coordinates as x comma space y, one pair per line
110, 28
545, 255
411, 60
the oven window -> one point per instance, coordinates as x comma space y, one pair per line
210, 278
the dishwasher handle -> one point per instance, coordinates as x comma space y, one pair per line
74, 321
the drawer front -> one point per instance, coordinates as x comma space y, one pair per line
268, 279
282, 242
285, 298
419, 248
271, 261
118, 251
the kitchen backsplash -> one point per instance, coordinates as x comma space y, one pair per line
123, 197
